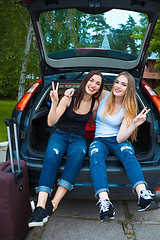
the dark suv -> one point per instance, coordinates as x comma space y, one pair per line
73, 38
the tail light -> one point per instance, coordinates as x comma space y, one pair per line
153, 96
157, 191
28, 95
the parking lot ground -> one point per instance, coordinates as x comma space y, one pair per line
79, 220
146, 225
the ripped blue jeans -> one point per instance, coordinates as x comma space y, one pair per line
100, 149
60, 143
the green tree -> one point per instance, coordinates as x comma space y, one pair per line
154, 45
64, 29
97, 27
14, 22
122, 37
155, 40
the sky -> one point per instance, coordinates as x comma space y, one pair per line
120, 18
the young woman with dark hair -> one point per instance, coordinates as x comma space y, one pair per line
71, 116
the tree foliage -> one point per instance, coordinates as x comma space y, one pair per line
14, 22
154, 45
155, 41
71, 28
98, 27
121, 38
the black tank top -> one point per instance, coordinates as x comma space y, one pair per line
73, 122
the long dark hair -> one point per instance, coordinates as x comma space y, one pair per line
80, 91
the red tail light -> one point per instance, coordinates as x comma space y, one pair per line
25, 99
153, 96
157, 191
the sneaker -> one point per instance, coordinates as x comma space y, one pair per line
38, 218
146, 202
49, 207
106, 210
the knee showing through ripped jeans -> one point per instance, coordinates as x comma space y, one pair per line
97, 151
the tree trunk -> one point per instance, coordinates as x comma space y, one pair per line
25, 62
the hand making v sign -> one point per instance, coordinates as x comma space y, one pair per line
141, 117
54, 93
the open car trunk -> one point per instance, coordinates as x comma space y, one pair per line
39, 131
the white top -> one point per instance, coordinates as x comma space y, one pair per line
110, 127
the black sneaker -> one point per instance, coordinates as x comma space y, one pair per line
38, 218
146, 202
49, 207
106, 210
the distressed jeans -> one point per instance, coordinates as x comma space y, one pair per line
100, 149
60, 143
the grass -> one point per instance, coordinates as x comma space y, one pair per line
6, 108
157, 90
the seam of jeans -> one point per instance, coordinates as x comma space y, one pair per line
65, 184
43, 189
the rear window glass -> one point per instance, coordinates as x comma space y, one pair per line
74, 33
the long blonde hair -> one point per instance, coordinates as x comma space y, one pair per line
129, 102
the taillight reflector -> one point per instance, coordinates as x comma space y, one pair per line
157, 192
154, 97
25, 99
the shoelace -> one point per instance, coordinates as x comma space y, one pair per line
147, 194
104, 205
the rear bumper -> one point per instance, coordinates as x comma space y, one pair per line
119, 185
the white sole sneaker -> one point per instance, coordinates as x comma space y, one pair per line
38, 224
106, 219
152, 206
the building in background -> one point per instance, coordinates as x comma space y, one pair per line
151, 73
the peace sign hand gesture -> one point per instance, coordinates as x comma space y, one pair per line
141, 117
54, 94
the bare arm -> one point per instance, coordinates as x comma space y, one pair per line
57, 110
69, 92
126, 131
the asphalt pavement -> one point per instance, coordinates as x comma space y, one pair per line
79, 220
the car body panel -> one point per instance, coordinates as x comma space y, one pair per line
68, 67
93, 6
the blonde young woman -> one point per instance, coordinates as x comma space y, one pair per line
116, 121
71, 116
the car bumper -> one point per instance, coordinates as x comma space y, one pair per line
119, 185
